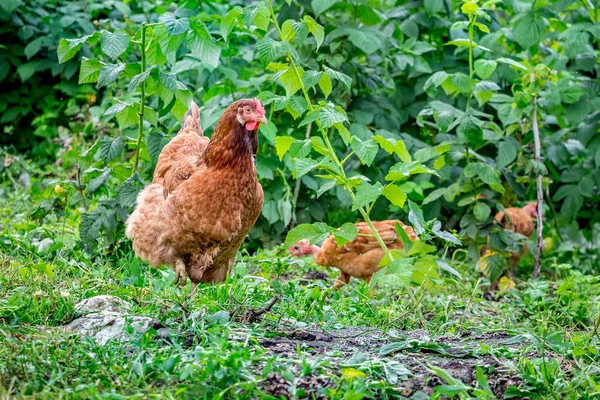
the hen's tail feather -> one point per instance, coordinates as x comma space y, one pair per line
191, 120
147, 229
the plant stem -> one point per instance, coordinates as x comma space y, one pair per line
539, 189
471, 25
79, 188
142, 104
298, 183
325, 136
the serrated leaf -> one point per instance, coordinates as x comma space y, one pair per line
341, 77
109, 73
343, 131
114, 44
330, 115
366, 194
366, 151
285, 211
110, 148
311, 78
471, 131
128, 191
303, 166
529, 30
67, 48
395, 195
137, 80
313, 232
291, 83
229, 20
507, 153
98, 181
434, 82
90, 70
202, 45
156, 142
402, 170
315, 29
345, 234
394, 146
170, 82
175, 26
513, 63
485, 68
325, 84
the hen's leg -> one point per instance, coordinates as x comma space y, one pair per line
372, 291
180, 273
341, 280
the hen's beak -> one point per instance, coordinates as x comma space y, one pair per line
262, 119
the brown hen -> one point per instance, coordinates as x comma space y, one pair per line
359, 258
204, 197
519, 220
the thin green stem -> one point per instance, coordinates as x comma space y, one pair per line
142, 104
324, 134
471, 26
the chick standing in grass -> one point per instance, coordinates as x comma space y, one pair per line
359, 258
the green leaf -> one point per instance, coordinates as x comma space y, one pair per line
482, 211
98, 181
109, 73
90, 70
394, 146
10, 5
174, 25
202, 45
402, 170
344, 132
67, 48
485, 68
289, 80
433, 6
137, 80
34, 47
470, 130
419, 247
331, 115
395, 195
513, 63
303, 166
170, 82
433, 82
285, 211
114, 44
366, 150
397, 274
311, 78
345, 234
313, 232
128, 191
293, 29
156, 142
529, 30
129, 116
366, 194
270, 50
325, 84
319, 6
110, 148
315, 29
229, 20
507, 153
297, 106
434, 195
27, 70
92, 223
415, 216
338, 76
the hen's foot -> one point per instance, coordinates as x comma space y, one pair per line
180, 274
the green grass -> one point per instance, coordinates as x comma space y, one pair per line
315, 342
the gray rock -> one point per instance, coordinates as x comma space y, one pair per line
106, 318
104, 303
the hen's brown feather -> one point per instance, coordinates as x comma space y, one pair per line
360, 258
196, 210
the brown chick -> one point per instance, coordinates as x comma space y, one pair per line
204, 197
519, 220
359, 258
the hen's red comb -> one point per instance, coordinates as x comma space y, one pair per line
259, 106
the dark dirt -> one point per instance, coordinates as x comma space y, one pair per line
458, 355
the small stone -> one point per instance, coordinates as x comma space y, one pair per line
103, 303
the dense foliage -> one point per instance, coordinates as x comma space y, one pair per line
430, 102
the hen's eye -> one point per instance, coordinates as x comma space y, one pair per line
296, 248
248, 110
